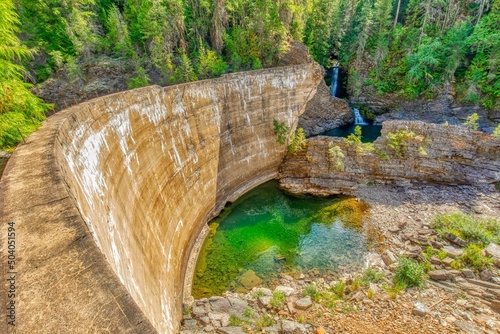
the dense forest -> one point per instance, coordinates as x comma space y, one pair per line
411, 47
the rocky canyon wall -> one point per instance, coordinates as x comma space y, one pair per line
419, 153
144, 170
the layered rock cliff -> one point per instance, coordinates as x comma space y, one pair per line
110, 196
417, 153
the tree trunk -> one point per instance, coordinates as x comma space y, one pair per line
397, 14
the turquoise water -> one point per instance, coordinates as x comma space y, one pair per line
368, 132
268, 231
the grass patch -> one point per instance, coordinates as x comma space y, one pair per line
265, 321
234, 320
311, 291
474, 258
339, 289
469, 227
371, 275
394, 290
409, 273
278, 299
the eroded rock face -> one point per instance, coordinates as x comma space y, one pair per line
138, 173
441, 155
324, 112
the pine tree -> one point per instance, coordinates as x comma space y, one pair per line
20, 110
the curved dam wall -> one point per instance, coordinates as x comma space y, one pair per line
118, 190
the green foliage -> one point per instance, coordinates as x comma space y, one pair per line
442, 254
278, 299
354, 140
265, 321
399, 141
280, 131
339, 288
429, 252
409, 273
234, 320
118, 35
371, 275
469, 227
474, 258
210, 65
394, 290
496, 132
336, 157
248, 313
472, 121
21, 112
299, 142
311, 291
140, 80
184, 72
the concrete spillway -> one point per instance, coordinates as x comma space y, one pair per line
110, 197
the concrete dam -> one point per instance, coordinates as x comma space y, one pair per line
109, 199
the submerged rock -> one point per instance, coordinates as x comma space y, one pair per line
249, 279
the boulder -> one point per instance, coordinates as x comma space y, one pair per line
388, 257
439, 275
220, 304
230, 330
420, 309
287, 291
238, 306
455, 239
292, 327
493, 250
320, 330
453, 252
264, 300
303, 303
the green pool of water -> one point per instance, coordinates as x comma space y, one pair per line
267, 231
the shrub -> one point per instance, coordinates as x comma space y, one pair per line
429, 252
278, 299
371, 275
393, 290
473, 257
311, 291
265, 321
354, 140
299, 142
496, 132
472, 121
234, 320
280, 131
398, 142
409, 273
339, 289
336, 157
479, 230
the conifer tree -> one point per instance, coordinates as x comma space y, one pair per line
20, 111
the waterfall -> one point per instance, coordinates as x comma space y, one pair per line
335, 81
358, 119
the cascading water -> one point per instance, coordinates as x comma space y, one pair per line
358, 119
335, 81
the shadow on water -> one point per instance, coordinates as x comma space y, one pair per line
268, 231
